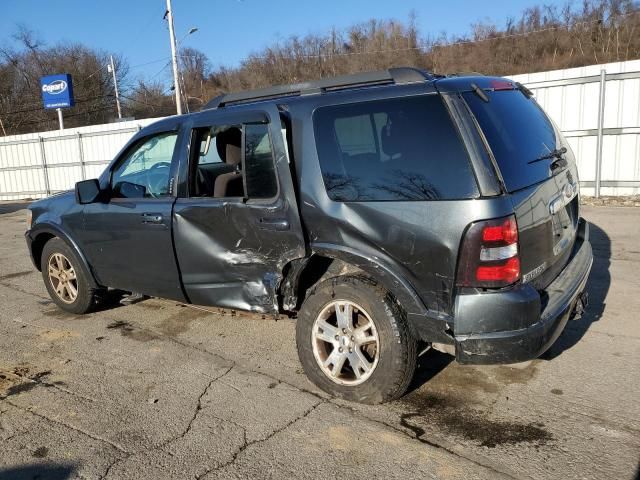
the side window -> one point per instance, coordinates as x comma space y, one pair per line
216, 162
398, 149
260, 175
220, 168
145, 171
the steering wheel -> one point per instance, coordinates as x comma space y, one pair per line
156, 178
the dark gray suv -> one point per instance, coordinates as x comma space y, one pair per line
389, 211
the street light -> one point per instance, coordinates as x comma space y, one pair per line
191, 30
184, 86
174, 55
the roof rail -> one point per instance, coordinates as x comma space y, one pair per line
397, 76
466, 74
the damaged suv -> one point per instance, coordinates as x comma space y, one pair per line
389, 211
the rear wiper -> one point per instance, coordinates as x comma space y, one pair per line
479, 92
556, 153
525, 91
558, 163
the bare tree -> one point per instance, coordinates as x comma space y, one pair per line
21, 68
541, 38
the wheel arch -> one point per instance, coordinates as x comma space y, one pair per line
328, 260
42, 233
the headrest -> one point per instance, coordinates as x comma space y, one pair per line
234, 155
394, 133
230, 136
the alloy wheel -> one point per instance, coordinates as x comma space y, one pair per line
346, 344
62, 277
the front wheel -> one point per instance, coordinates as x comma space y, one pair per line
65, 279
354, 341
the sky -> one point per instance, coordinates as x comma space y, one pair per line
228, 30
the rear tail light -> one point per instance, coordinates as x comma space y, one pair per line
501, 85
489, 256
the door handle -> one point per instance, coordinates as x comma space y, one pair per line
154, 218
278, 224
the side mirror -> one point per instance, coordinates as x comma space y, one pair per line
87, 191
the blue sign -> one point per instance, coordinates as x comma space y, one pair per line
57, 91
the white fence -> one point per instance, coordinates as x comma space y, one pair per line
597, 107
38, 164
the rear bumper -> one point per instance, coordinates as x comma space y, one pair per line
520, 324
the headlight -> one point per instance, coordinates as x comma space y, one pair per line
29, 219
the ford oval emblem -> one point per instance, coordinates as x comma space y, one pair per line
54, 88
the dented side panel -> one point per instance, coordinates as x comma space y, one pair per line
232, 251
417, 241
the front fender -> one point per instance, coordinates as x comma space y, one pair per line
428, 325
35, 242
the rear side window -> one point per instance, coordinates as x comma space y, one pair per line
392, 150
518, 133
230, 161
260, 173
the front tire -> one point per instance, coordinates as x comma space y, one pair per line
354, 341
65, 279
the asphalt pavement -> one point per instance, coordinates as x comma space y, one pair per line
161, 390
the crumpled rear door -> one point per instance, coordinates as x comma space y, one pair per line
231, 251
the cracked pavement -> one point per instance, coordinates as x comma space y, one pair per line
159, 390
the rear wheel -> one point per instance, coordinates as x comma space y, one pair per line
65, 278
354, 341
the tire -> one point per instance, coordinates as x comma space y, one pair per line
391, 359
70, 271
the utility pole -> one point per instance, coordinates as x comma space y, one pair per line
112, 68
174, 59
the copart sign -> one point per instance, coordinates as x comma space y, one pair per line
57, 91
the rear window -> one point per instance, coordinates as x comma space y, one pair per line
392, 150
518, 131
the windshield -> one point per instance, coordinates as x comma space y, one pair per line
518, 132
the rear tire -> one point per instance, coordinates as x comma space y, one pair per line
354, 341
65, 278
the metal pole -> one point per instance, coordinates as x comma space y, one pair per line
603, 82
60, 120
83, 169
115, 86
45, 170
174, 58
3, 130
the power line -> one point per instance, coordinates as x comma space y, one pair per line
46, 120
442, 45
143, 102
549, 29
80, 100
148, 63
160, 71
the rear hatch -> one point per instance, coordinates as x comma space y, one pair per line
538, 171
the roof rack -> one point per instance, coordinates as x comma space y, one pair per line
397, 76
466, 74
